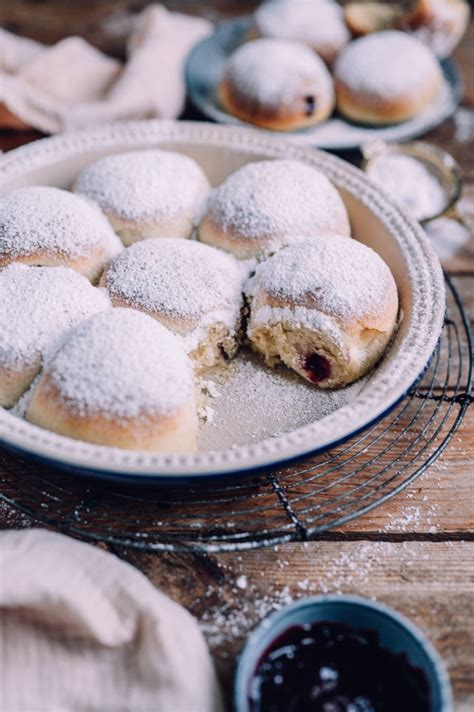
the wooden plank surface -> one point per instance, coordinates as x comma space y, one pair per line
430, 582
415, 552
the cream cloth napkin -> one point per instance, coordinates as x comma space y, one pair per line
72, 85
82, 631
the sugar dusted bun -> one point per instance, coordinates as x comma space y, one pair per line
147, 194
193, 289
120, 379
266, 205
385, 78
38, 307
325, 308
318, 24
362, 18
42, 225
276, 84
439, 24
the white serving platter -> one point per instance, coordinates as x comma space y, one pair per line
206, 63
261, 418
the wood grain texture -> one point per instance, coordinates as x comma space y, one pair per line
431, 583
415, 552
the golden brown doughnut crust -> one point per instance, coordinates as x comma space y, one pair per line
386, 77
278, 118
174, 433
276, 84
370, 110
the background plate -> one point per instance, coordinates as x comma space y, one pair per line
205, 66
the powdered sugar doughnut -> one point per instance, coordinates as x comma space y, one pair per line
193, 289
38, 307
147, 193
325, 308
120, 379
276, 84
409, 79
42, 225
266, 205
318, 24
439, 24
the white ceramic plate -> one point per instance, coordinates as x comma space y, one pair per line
204, 70
261, 418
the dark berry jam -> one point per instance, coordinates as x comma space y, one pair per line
330, 667
317, 367
310, 105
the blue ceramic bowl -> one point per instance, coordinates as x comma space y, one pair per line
396, 633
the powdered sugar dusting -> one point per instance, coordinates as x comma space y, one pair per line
387, 64
356, 568
145, 184
340, 277
255, 402
278, 199
123, 364
318, 24
43, 219
180, 279
38, 306
276, 72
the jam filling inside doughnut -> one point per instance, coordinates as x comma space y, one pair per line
310, 105
317, 367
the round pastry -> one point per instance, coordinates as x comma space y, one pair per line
408, 81
320, 25
193, 289
365, 17
325, 308
147, 193
439, 24
120, 379
266, 205
38, 307
276, 84
42, 225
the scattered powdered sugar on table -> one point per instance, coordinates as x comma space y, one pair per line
387, 64
256, 402
43, 219
11, 518
338, 276
409, 182
124, 364
180, 279
145, 184
348, 572
38, 307
413, 517
275, 72
278, 198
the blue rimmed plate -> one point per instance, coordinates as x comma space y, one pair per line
204, 70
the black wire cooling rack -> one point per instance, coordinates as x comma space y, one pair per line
293, 503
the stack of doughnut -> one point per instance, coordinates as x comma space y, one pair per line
303, 58
116, 297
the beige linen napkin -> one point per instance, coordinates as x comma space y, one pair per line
82, 631
72, 85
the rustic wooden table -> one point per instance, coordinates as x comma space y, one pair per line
415, 552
